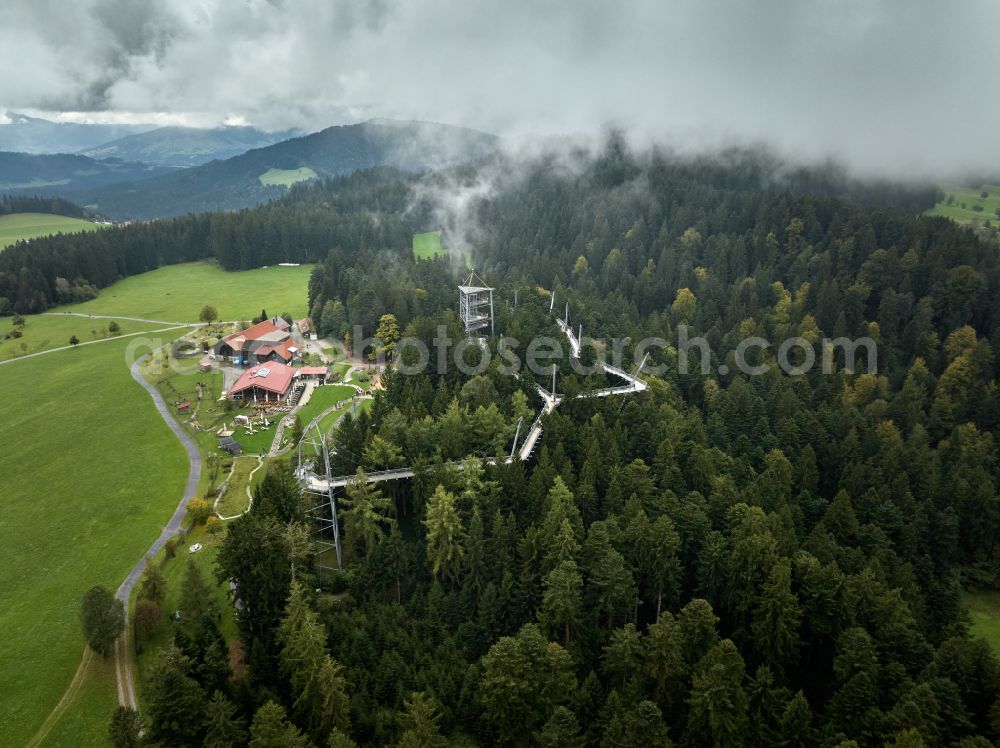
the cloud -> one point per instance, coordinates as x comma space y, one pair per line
885, 85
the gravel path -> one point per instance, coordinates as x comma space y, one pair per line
116, 316
90, 342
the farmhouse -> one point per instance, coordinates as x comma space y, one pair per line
265, 382
283, 352
269, 340
306, 329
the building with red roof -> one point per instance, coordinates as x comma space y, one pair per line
269, 340
270, 381
317, 373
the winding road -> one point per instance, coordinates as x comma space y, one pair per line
123, 647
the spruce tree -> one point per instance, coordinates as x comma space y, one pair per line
446, 537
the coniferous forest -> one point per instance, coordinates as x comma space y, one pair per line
721, 560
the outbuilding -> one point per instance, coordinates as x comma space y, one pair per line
230, 445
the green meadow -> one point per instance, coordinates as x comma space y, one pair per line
323, 398
178, 293
235, 500
428, 245
18, 226
80, 723
286, 177
92, 473
961, 204
41, 332
984, 610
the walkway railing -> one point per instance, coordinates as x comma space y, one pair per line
549, 403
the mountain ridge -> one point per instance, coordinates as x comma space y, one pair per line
234, 183
25, 134
187, 146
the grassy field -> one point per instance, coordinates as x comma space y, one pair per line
41, 332
81, 723
330, 420
18, 226
338, 370
178, 292
965, 199
91, 474
428, 245
287, 177
235, 500
984, 609
323, 398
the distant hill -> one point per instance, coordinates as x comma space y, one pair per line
66, 173
186, 146
236, 182
24, 134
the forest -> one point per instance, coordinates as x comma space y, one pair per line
722, 560
34, 204
350, 213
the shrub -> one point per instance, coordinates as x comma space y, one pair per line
148, 617
199, 509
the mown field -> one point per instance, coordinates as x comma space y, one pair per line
287, 177
322, 398
42, 332
961, 203
984, 609
91, 474
79, 723
428, 245
18, 226
178, 293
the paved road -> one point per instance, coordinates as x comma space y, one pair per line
123, 648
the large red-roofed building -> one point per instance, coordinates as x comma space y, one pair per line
270, 381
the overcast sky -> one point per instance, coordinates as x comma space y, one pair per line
904, 85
